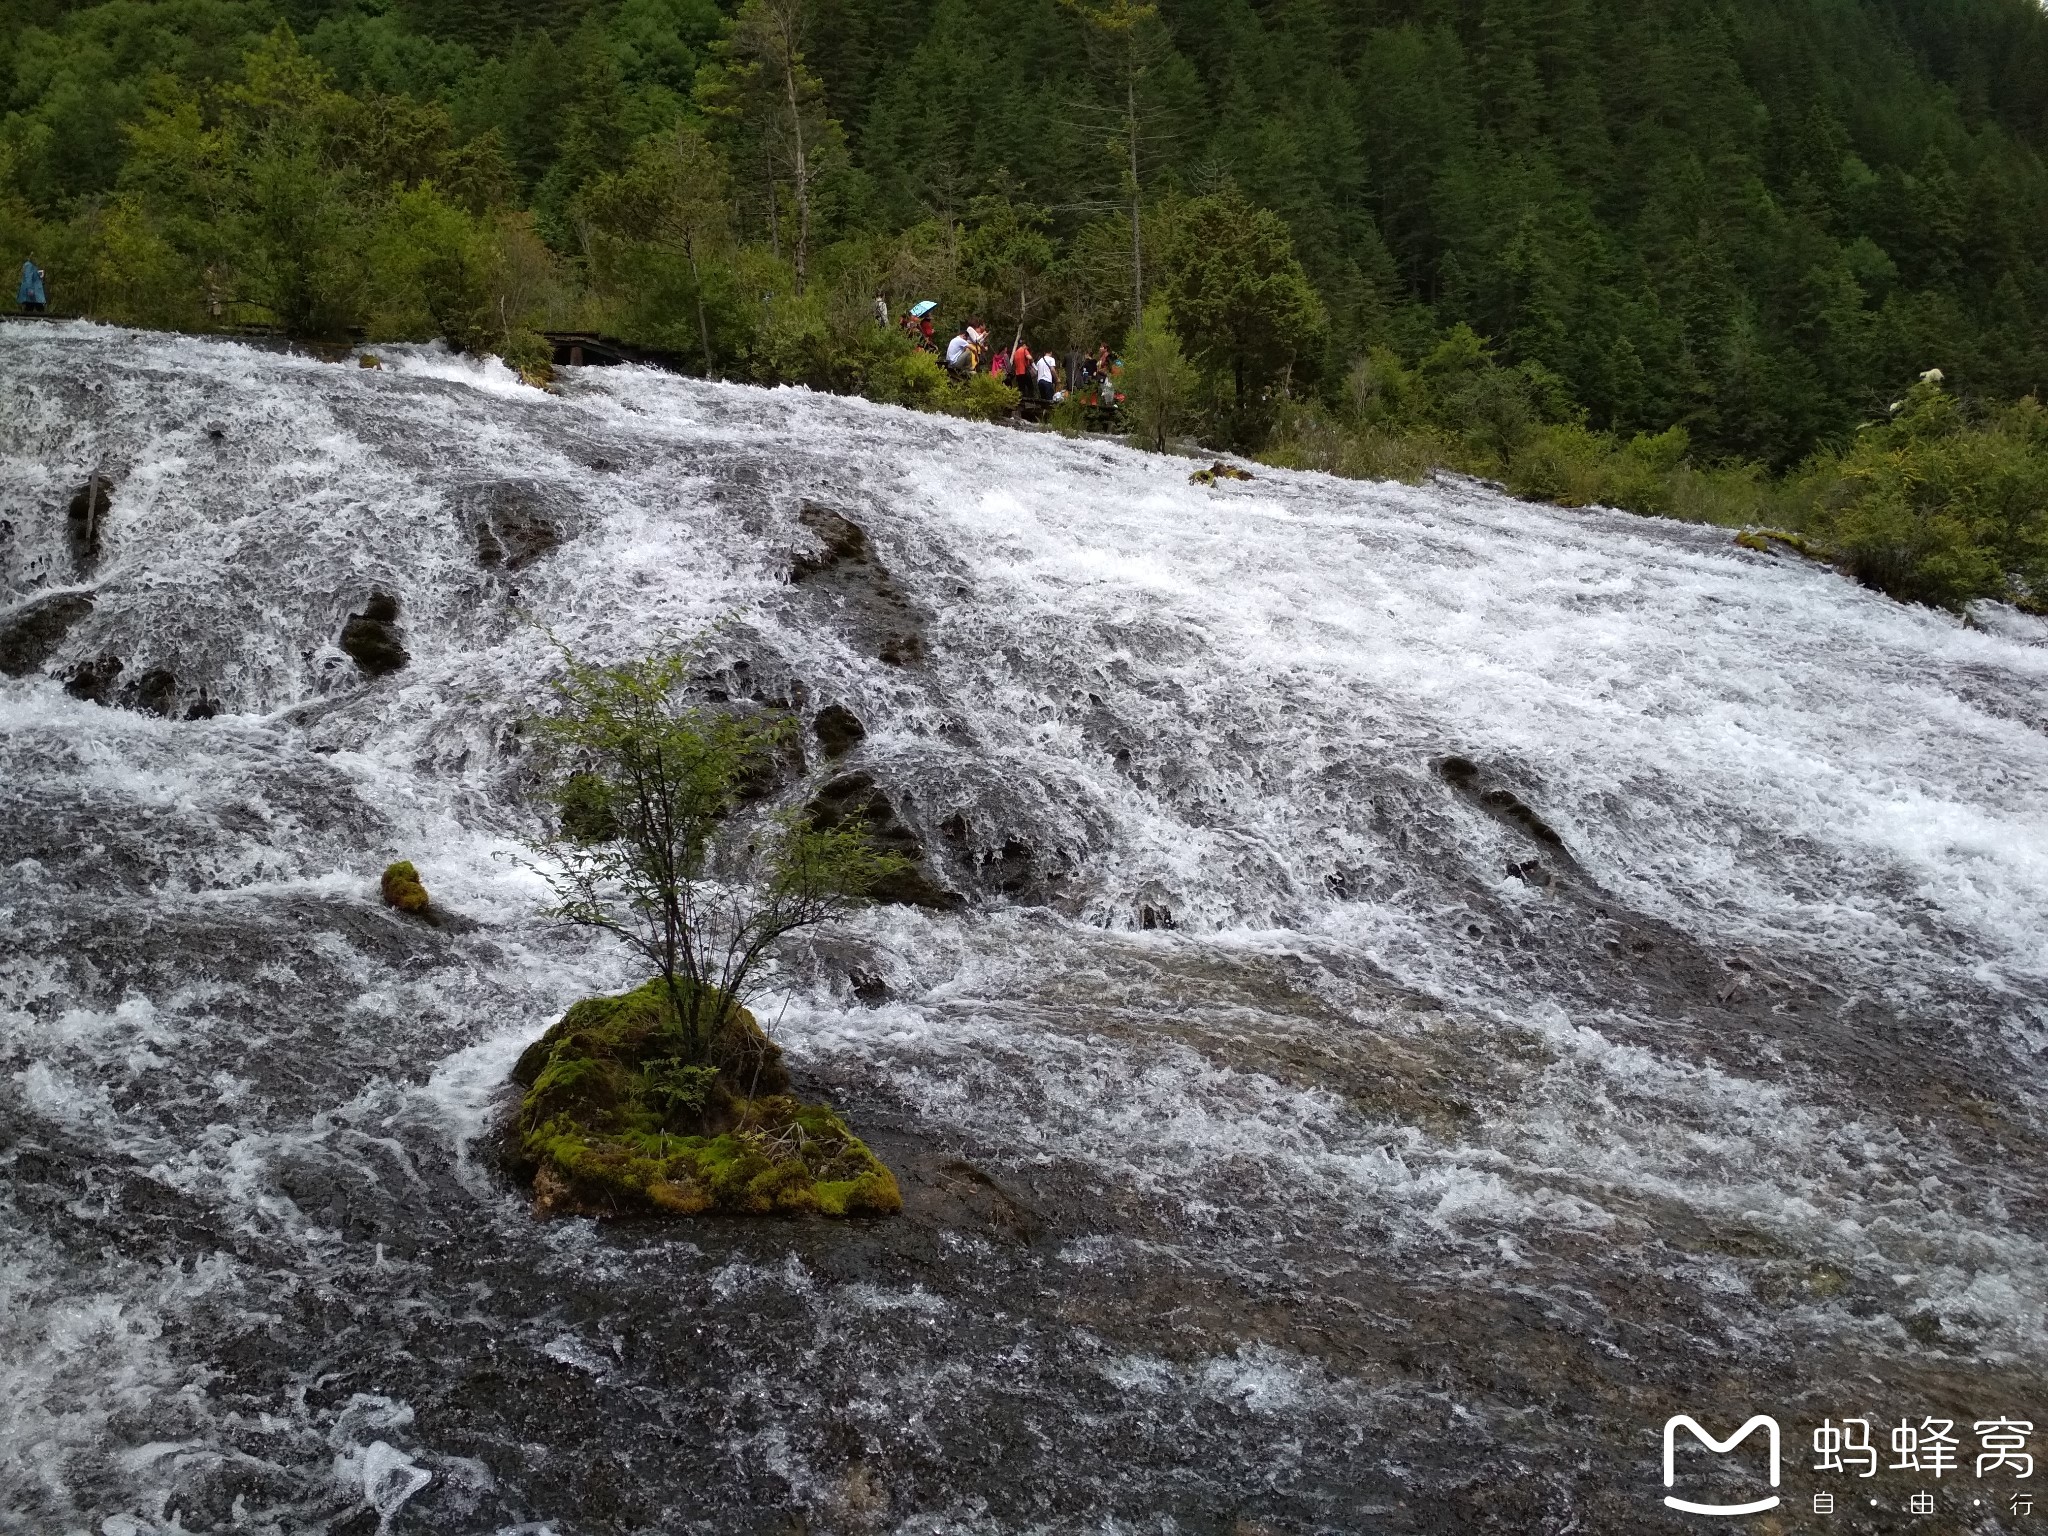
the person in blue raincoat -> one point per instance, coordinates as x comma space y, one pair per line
30, 295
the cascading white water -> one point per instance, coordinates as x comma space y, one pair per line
1292, 1135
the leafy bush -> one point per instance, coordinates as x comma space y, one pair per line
1158, 380
982, 397
530, 356
641, 783
1932, 508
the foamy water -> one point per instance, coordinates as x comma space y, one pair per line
1408, 1130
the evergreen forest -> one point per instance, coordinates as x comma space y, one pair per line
1685, 256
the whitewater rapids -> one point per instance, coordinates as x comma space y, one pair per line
1295, 1138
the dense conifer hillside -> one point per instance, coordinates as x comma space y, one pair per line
1525, 237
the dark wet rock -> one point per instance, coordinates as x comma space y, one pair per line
838, 730
1010, 868
841, 542
1510, 807
1458, 770
94, 680
902, 648
85, 520
868, 987
855, 799
156, 692
770, 683
989, 1201
865, 598
1150, 916
514, 523
1503, 804
372, 638
771, 772
31, 633
204, 707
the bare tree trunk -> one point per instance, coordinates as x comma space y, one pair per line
697, 291
799, 162
1137, 254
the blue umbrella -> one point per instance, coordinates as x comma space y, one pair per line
919, 311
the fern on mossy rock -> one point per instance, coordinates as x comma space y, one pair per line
617, 1121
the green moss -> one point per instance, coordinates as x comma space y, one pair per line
402, 888
617, 1120
1765, 540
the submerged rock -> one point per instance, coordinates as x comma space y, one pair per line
94, 680
864, 597
838, 730
32, 633
156, 692
84, 520
616, 1120
855, 799
372, 637
1510, 807
514, 523
1464, 775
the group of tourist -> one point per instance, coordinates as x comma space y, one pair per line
1038, 377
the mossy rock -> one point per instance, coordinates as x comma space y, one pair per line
617, 1121
1769, 541
402, 888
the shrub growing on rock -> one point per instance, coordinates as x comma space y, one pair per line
641, 783
670, 1098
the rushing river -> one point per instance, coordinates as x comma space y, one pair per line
1442, 985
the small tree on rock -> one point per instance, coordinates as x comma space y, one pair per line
641, 784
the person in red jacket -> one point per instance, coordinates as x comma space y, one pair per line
1020, 369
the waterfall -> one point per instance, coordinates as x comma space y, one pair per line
1430, 985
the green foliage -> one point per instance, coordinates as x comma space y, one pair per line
1933, 508
1159, 382
431, 272
1391, 237
1236, 289
670, 198
641, 784
982, 397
